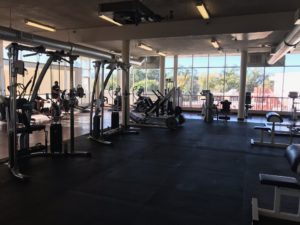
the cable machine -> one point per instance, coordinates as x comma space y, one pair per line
16, 67
97, 131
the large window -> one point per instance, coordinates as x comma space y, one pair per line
219, 74
58, 71
147, 75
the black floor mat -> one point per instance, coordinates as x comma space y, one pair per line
198, 174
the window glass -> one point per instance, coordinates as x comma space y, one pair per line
185, 61
200, 61
169, 62
184, 78
232, 82
139, 78
169, 74
254, 84
216, 81
85, 63
291, 83
199, 80
233, 60
292, 60
216, 61
152, 80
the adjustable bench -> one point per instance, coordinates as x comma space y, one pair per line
273, 118
288, 186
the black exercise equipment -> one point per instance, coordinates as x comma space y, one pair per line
142, 103
284, 186
247, 104
97, 131
225, 110
157, 114
16, 67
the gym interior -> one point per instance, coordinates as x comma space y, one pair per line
149, 112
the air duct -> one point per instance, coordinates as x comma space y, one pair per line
32, 39
287, 45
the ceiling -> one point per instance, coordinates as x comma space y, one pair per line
75, 18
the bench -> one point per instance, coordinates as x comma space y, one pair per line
284, 186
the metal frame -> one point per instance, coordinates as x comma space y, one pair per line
272, 143
13, 159
276, 211
99, 107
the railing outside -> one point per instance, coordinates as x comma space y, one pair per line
283, 104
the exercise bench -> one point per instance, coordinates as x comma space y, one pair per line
284, 186
274, 118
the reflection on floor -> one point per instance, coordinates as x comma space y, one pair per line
82, 123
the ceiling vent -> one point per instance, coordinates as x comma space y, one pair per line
260, 60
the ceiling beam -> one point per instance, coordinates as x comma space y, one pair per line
224, 25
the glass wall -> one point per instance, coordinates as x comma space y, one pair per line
218, 73
145, 76
58, 71
269, 86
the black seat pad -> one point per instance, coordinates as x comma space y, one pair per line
262, 128
293, 156
279, 181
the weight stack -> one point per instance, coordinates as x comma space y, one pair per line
56, 138
96, 126
114, 119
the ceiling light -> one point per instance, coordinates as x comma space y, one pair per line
39, 25
108, 19
161, 53
202, 10
215, 44
145, 47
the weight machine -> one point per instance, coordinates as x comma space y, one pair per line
209, 110
97, 131
16, 67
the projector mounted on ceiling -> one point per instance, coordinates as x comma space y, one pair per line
129, 12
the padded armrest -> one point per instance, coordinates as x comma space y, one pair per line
293, 155
279, 181
262, 128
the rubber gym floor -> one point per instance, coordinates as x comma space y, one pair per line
198, 174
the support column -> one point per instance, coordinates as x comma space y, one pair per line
241, 110
162, 74
2, 75
175, 70
72, 97
125, 84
